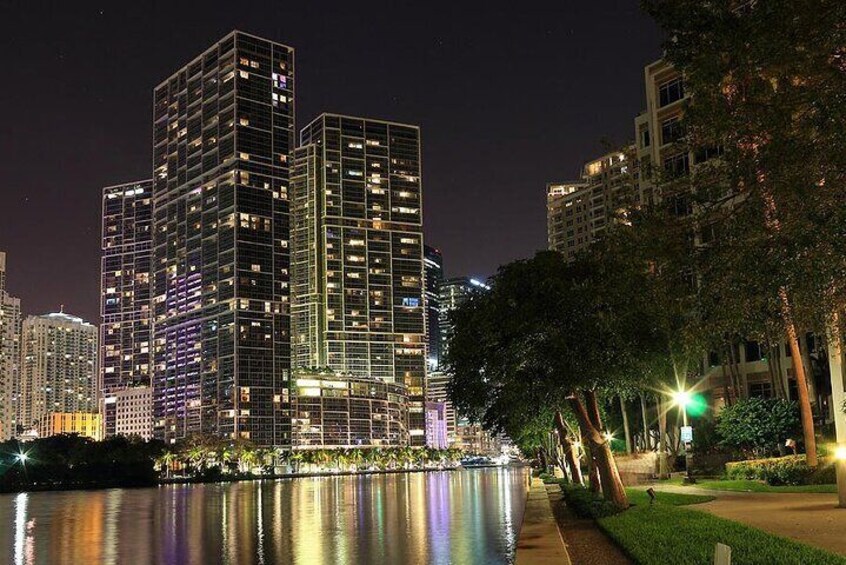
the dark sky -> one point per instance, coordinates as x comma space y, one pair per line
507, 100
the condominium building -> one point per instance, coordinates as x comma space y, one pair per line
433, 270
437, 392
58, 367
436, 425
223, 135
580, 211
344, 411
357, 267
453, 293
658, 129
85, 424
10, 336
125, 307
130, 410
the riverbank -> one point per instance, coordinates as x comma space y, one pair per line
275, 476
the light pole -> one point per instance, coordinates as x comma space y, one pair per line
683, 398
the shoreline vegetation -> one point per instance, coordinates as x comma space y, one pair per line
72, 462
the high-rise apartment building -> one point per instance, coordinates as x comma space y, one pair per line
223, 136
579, 212
452, 294
125, 307
58, 367
10, 335
433, 270
357, 240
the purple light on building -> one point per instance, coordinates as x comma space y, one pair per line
436, 428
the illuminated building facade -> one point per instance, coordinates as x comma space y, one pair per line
58, 367
344, 411
436, 392
223, 136
130, 410
357, 266
436, 425
125, 332
580, 211
433, 269
10, 336
85, 424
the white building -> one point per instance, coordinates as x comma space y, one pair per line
58, 366
10, 333
130, 411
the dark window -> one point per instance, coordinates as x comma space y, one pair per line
753, 351
671, 130
678, 165
761, 390
670, 92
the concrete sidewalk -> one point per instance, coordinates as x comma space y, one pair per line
540, 541
811, 518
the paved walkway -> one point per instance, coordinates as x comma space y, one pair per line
540, 542
812, 518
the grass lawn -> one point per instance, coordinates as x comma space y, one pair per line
750, 486
664, 533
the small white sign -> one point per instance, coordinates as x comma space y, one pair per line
687, 434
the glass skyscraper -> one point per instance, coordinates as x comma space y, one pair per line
433, 268
357, 239
223, 135
125, 332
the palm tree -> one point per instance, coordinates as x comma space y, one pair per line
296, 458
165, 460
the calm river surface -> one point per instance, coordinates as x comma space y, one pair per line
462, 517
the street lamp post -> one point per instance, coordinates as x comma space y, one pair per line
682, 398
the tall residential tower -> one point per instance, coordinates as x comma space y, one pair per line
10, 335
58, 368
223, 135
357, 267
433, 268
125, 332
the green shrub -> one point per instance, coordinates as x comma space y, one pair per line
586, 504
776, 471
759, 425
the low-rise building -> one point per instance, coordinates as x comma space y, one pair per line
128, 412
335, 410
86, 424
436, 425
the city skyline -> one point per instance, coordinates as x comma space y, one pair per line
112, 123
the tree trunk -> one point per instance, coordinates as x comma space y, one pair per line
801, 381
587, 414
727, 383
663, 468
626, 431
571, 452
647, 440
593, 474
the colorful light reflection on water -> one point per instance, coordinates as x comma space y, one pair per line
463, 517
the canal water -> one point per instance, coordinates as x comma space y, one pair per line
462, 517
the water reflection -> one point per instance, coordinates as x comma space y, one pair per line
447, 517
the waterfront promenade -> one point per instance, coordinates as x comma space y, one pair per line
540, 542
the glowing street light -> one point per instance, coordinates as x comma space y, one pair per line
683, 399
608, 436
22, 457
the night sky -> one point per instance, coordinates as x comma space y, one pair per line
507, 100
